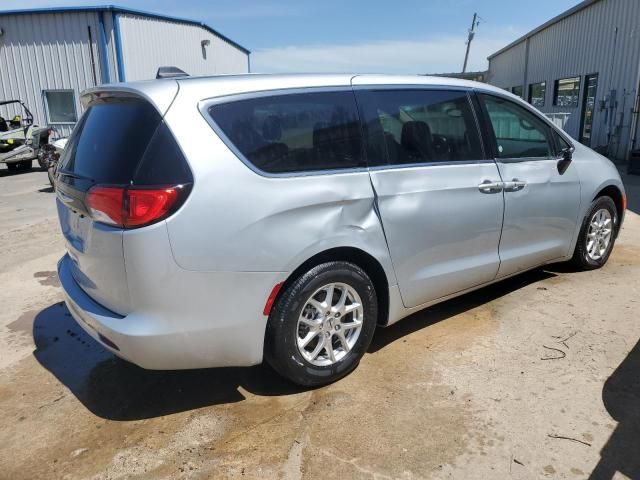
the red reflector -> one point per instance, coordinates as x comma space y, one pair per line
272, 298
130, 207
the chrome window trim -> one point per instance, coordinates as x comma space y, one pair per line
450, 163
411, 86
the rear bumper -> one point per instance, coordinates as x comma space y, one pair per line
186, 336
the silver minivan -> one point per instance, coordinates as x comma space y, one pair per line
221, 221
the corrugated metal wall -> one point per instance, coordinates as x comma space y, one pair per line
507, 69
148, 43
46, 51
584, 43
51, 51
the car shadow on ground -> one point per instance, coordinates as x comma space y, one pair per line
115, 389
5, 172
455, 306
621, 398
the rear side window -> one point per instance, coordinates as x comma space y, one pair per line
419, 126
518, 132
124, 141
294, 133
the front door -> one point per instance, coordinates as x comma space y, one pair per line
541, 201
440, 202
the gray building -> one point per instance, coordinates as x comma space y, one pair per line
582, 68
48, 56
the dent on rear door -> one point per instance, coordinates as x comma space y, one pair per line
273, 224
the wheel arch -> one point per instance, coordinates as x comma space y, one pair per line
613, 192
372, 267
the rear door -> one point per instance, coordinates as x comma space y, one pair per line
119, 141
439, 200
541, 200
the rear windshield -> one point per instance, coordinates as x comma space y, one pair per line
124, 141
295, 132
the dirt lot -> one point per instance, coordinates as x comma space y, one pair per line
535, 377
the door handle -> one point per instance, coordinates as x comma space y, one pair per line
514, 185
490, 187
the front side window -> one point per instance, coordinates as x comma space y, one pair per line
299, 132
419, 126
60, 106
537, 92
518, 132
567, 91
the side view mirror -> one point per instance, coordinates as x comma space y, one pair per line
565, 161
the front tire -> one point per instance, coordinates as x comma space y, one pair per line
597, 235
322, 324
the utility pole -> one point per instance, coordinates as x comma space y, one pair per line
472, 32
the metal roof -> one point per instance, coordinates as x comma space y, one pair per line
131, 11
581, 6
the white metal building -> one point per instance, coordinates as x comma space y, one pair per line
582, 68
48, 56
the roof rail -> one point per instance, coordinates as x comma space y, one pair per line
170, 72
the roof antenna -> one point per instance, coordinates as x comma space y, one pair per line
170, 72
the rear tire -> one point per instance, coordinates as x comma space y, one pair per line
50, 172
313, 341
597, 235
25, 165
21, 166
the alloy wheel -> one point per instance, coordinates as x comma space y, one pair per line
329, 324
599, 234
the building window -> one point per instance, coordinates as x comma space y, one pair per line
567, 92
60, 106
537, 92
517, 91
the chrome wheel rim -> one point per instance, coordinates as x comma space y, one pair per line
329, 324
599, 234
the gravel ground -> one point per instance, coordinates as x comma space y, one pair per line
534, 377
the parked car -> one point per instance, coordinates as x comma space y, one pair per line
21, 141
221, 221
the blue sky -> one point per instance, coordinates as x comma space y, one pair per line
401, 36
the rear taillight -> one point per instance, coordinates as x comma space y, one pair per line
131, 207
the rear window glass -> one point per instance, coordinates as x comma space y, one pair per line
295, 132
124, 141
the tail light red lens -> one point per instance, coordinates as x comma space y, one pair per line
131, 207
146, 206
106, 204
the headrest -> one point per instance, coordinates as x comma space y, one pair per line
416, 137
321, 134
272, 128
